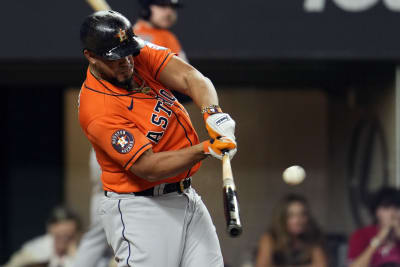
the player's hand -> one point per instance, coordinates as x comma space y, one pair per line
214, 147
220, 124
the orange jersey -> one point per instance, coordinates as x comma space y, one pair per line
122, 125
157, 36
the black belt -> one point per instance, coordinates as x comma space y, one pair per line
168, 188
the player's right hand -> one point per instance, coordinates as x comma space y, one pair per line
215, 147
220, 124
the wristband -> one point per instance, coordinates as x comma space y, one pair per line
211, 109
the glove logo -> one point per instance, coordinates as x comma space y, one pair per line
222, 120
122, 141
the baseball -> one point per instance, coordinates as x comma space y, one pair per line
294, 175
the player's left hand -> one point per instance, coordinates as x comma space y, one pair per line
217, 147
220, 124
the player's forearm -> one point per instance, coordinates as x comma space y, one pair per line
157, 166
200, 89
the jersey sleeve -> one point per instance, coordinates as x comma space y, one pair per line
157, 57
119, 138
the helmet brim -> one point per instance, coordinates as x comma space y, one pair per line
127, 48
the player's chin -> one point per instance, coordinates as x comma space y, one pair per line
124, 76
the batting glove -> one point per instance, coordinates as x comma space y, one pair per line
220, 124
217, 147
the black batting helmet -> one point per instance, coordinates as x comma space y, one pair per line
109, 34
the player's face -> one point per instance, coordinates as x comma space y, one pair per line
65, 235
297, 218
163, 16
387, 215
118, 72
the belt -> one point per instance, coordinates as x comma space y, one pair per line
168, 188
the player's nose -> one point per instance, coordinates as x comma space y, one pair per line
124, 61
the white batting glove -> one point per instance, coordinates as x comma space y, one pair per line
217, 147
220, 124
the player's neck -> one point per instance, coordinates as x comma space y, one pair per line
134, 85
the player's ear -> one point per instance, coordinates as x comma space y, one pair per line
88, 55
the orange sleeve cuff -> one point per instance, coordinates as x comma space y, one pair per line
163, 64
138, 153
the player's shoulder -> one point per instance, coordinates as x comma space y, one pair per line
153, 46
149, 52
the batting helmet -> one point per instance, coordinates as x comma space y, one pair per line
109, 34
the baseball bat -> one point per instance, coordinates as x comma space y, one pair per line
231, 204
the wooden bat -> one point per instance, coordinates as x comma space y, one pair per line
231, 204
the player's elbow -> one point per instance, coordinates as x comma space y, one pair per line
194, 79
193, 75
148, 174
152, 177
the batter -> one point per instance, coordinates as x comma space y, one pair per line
147, 147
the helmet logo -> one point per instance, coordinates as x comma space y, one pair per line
121, 35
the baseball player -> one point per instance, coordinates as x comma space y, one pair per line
147, 147
157, 16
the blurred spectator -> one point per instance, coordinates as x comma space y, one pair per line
156, 18
54, 249
378, 244
293, 238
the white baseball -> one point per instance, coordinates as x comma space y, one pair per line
294, 175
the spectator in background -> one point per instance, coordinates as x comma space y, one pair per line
378, 245
54, 249
293, 238
156, 18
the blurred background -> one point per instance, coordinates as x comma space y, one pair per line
309, 82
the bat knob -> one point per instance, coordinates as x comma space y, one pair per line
234, 230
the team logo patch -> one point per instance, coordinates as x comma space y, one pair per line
121, 35
122, 141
